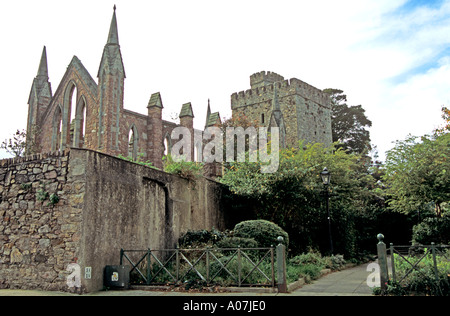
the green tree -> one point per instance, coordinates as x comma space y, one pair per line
293, 197
349, 124
418, 174
445, 128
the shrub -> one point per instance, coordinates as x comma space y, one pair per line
186, 169
335, 262
200, 238
311, 257
422, 279
234, 242
265, 233
139, 160
432, 229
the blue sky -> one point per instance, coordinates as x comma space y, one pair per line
390, 56
411, 5
417, 22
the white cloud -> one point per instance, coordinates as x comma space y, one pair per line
412, 107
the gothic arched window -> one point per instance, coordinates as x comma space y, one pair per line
133, 140
57, 129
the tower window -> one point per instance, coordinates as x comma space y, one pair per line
262, 118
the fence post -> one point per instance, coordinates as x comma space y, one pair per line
281, 266
148, 265
393, 262
177, 263
382, 261
207, 265
239, 264
433, 251
272, 248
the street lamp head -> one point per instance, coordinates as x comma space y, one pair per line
326, 176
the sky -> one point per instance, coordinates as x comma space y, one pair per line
390, 56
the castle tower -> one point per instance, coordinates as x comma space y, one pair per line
111, 77
212, 119
262, 79
154, 130
187, 120
38, 101
301, 111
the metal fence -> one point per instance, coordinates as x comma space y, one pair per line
415, 257
210, 266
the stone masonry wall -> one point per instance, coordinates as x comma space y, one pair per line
82, 206
306, 110
39, 234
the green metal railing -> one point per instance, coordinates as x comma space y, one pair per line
225, 266
420, 253
409, 261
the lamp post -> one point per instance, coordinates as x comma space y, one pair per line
326, 176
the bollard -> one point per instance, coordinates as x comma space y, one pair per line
382, 262
281, 266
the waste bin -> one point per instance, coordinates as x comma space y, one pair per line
117, 277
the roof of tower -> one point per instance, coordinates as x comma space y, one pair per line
186, 110
213, 119
155, 100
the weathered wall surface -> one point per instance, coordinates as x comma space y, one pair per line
105, 204
38, 238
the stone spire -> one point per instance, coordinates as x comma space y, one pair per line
208, 114
277, 119
113, 36
38, 101
111, 76
112, 57
43, 68
212, 119
41, 85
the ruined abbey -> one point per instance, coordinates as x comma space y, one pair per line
97, 119
71, 200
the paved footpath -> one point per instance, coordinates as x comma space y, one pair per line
348, 282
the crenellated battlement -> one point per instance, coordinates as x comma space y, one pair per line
264, 78
284, 88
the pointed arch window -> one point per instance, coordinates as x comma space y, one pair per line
167, 145
68, 111
79, 124
198, 152
72, 117
133, 139
57, 129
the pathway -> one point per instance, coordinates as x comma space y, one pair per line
348, 282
